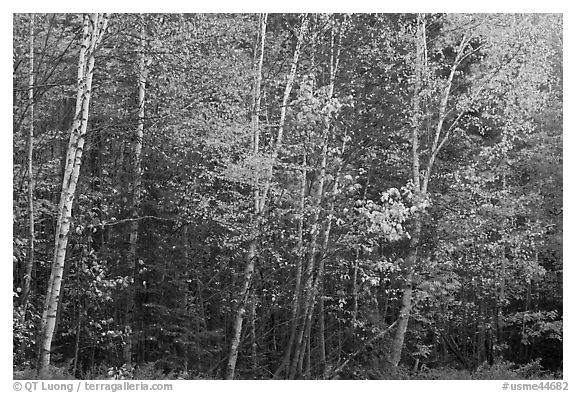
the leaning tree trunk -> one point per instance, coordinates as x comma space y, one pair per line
30, 261
136, 196
94, 26
251, 252
261, 203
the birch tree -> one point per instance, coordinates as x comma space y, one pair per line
439, 110
311, 285
93, 29
30, 261
237, 329
260, 203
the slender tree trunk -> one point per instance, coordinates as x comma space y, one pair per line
136, 196
77, 343
320, 280
294, 320
321, 331
251, 252
527, 308
317, 282
307, 367
254, 345
94, 27
501, 302
285, 99
261, 203
30, 261
355, 289
314, 230
237, 326
406, 304
311, 286
305, 345
189, 303
481, 347
257, 96
308, 287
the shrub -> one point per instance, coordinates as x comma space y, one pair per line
52, 373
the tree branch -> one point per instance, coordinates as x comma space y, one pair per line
123, 221
359, 350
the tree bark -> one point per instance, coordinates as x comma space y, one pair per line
254, 345
136, 195
237, 326
30, 262
93, 29
77, 342
307, 367
321, 331
406, 305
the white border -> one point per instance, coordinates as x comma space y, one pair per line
290, 6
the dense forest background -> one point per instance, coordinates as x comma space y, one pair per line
311, 196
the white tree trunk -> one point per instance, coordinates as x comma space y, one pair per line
30, 261
311, 287
93, 29
251, 253
420, 180
406, 304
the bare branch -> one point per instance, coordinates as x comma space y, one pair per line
123, 221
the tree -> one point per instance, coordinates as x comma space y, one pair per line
261, 204
359, 196
137, 183
477, 36
93, 28
28, 272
